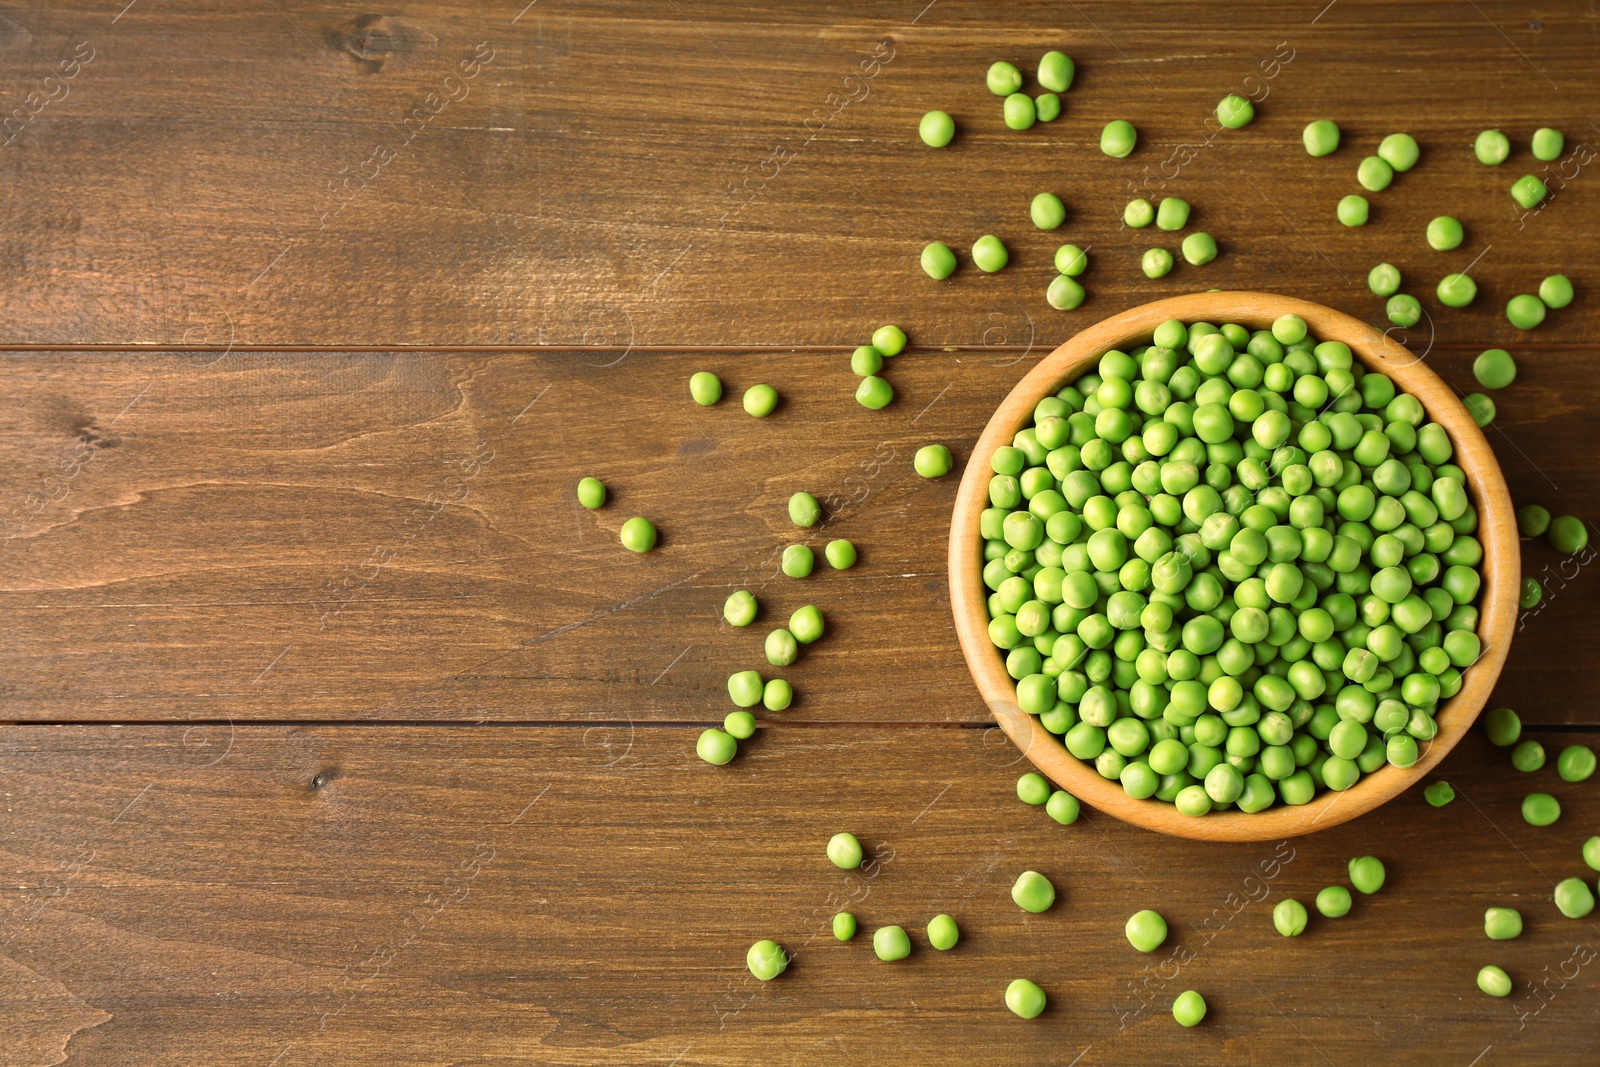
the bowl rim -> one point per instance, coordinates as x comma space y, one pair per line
1486, 488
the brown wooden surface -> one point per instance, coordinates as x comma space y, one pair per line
285, 453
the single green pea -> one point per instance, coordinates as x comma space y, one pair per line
1003, 78
889, 339
1532, 520
841, 554
1439, 793
1353, 210
1062, 807
865, 360
1118, 138
798, 561
844, 851
804, 510
1156, 263
716, 747
1528, 191
592, 493
766, 960
1172, 214
1445, 233
1071, 260
1403, 310
1556, 291
1492, 148
1032, 788
989, 253
745, 688
1289, 917
740, 608
943, 933
936, 129
781, 648
760, 400
1199, 248
1574, 898
932, 461
1025, 999
740, 725
638, 534
1334, 901
1019, 111
1374, 175
705, 388
1033, 892
938, 262
1540, 809
1055, 72
1568, 534
1494, 981
1532, 593
1321, 137
1503, 727
1457, 290
1235, 112
874, 393
1064, 293
1502, 924
1139, 213
844, 926
1546, 144
1146, 930
1576, 763
1480, 407
1367, 874
806, 624
1591, 853
1047, 211
1188, 1008
1400, 151
890, 943
1494, 368
1384, 279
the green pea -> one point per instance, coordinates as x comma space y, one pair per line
1321, 137
760, 400
1062, 807
1444, 234
740, 608
638, 534
804, 511
1574, 898
1576, 763
740, 725
841, 554
1156, 263
932, 461
1189, 1007
1492, 148
1494, 981
806, 624
1235, 112
1528, 191
766, 960
1502, 924
1047, 211
890, 943
1546, 144
1480, 407
777, 695
716, 747
1503, 726
889, 339
1532, 593
745, 688
1384, 279
798, 561
1439, 793
1071, 260
705, 388
781, 648
938, 262
1399, 150
1367, 874
1334, 901
943, 932
1540, 809
1146, 930
1019, 111
989, 253
592, 493
874, 393
1527, 756
1457, 290
1495, 369
1591, 853
844, 926
1199, 248
1556, 291
1033, 789
936, 129
1353, 210
1139, 213
844, 851
1374, 175
1025, 999
865, 360
1033, 892
1064, 293
1404, 310
1055, 72
1289, 917
1003, 78
1118, 138
1172, 214
1568, 534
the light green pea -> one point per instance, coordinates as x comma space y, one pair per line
1321, 137
766, 960
938, 262
943, 933
1156, 263
1118, 138
705, 388
841, 554
936, 129
1353, 210
1033, 892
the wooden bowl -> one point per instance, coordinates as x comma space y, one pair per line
1486, 487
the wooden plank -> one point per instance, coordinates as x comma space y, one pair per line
394, 535
389, 535
563, 895
722, 173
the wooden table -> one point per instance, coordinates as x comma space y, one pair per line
341, 734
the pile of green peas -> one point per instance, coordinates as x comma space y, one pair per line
1232, 568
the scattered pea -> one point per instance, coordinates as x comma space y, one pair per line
1234, 111
989, 253
938, 262
841, 554
1591, 853
891, 943
1047, 211
1064, 293
1071, 260
740, 608
1367, 874
1532, 593
1033, 892
766, 960
745, 688
781, 648
932, 461
943, 932
1528, 190
1118, 138
844, 926
1400, 151
1003, 78
1480, 407
1188, 1008
1019, 111
1439, 793
865, 360
1547, 144
1047, 107
638, 534
1199, 248
874, 393
1457, 290
1321, 137
1055, 72
1574, 898
1374, 175
806, 624
1384, 279
1528, 756
1556, 291
1062, 807
1025, 999
798, 561
1146, 930
1404, 309
739, 725
844, 851
889, 339
1156, 263
777, 695
1289, 917
1568, 534
592, 493
1445, 233
936, 129
1139, 213
716, 747
1494, 981
1492, 148
1532, 520
1494, 368
1353, 210
705, 388
1032, 788
1576, 763
760, 400
1502, 924
1540, 809
1334, 901
1172, 214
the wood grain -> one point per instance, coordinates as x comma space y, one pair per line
463, 895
